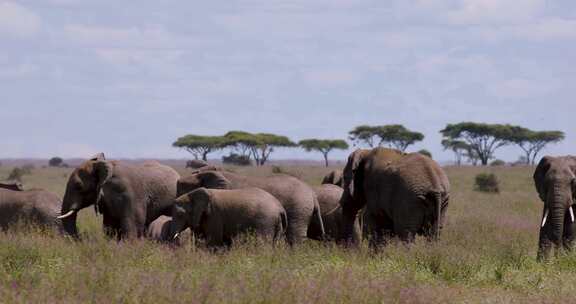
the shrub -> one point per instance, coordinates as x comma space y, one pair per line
236, 159
497, 163
27, 169
55, 162
487, 183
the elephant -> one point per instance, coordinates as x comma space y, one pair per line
223, 214
128, 196
555, 182
36, 206
329, 200
334, 178
196, 163
403, 195
297, 198
161, 230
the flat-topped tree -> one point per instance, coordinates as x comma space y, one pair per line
459, 148
532, 142
323, 146
483, 139
259, 145
200, 146
396, 136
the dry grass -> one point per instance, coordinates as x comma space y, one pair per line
486, 255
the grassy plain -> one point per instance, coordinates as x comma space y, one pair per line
486, 255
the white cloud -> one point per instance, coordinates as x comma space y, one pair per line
495, 11
519, 88
18, 21
152, 36
17, 71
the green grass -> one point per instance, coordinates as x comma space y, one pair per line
486, 255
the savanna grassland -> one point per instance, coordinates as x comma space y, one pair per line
486, 255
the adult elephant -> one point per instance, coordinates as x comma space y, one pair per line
555, 181
297, 198
37, 207
329, 200
223, 214
128, 196
334, 178
402, 195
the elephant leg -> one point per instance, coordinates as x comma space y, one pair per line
111, 226
568, 234
130, 228
544, 244
379, 228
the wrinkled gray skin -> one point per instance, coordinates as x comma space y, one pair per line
555, 181
36, 207
129, 197
329, 200
221, 214
334, 178
297, 198
161, 230
403, 195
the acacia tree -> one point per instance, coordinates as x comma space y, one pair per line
259, 145
459, 148
482, 138
532, 142
200, 146
364, 134
323, 146
396, 136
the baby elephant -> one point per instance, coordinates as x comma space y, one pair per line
160, 230
221, 215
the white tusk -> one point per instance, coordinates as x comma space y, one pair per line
545, 217
571, 214
69, 213
176, 235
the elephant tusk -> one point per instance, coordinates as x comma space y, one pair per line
69, 213
176, 235
545, 217
571, 214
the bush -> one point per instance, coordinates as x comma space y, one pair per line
487, 183
498, 163
55, 162
27, 169
236, 159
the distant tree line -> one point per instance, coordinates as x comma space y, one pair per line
469, 141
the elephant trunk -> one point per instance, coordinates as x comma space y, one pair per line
553, 220
68, 215
438, 216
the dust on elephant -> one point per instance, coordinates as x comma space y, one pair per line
555, 181
297, 198
37, 207
329, 200
334, 178
221, 214
402, 195
128, 196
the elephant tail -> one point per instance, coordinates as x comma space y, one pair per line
316, 226
439, 199
281, 226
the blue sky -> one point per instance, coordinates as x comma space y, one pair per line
82, 76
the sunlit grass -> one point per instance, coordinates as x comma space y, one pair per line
486, 255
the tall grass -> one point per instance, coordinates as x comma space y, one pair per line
486, 255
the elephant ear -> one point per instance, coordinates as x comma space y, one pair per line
201, 201
540, 174
103, 170
214, 180
353, 174
98, 157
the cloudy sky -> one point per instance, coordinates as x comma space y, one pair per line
82, 76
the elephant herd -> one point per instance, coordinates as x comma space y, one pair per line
380, 194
